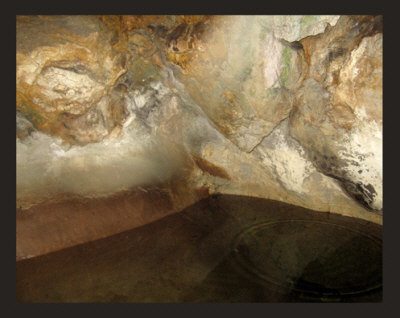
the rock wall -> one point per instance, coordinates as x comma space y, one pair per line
281, 107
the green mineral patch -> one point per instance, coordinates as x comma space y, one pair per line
246, 73
142, 73
252, 92
263, 32
244, 105
273, 92
285, 65
171, 19
248, 51
306, 21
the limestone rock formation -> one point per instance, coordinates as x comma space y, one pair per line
281, 107
240, 70
67, 68
337, 115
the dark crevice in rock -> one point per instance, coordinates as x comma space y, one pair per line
362, 194
331, 166
24, 126
266, 136
295, 45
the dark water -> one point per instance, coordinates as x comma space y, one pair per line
223, 249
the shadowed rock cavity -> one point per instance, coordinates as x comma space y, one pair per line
287, 108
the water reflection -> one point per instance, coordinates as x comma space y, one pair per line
222, 249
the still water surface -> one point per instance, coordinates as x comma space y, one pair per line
224, 248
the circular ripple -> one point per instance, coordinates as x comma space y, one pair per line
311, 257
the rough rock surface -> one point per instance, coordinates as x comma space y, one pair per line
281, 107
239, 70
337, 112
277, 169
67, 68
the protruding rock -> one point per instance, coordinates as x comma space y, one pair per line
66, 68
338, 110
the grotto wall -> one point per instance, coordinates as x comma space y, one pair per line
280, 107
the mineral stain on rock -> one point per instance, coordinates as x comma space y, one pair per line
210, 168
